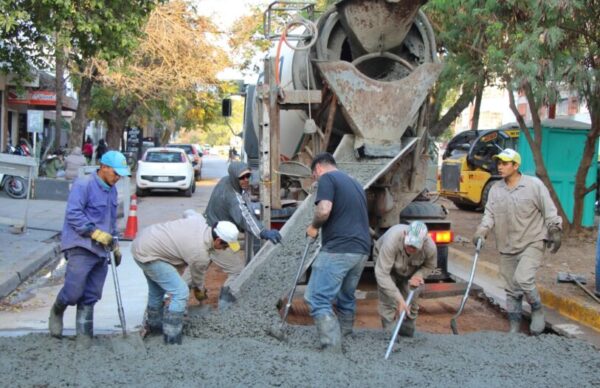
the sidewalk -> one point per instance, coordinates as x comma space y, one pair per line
21, 255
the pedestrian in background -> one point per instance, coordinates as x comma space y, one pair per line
525, 223
101, 149
88, 149
404, 256
230, 201
73, 162
341, 215
89, 233
163, 251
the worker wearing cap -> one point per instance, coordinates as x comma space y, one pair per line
88, 233
163, 250
525, 223
229, 201
404, 256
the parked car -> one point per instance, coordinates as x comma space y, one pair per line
165, 168
194, 155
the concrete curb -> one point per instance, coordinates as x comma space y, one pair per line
10, 280
572, 308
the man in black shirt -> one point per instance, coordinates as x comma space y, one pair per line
341, 214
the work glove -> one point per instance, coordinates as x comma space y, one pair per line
271, 235
118, 255
102, 238
554, 239
479, 235
200, 293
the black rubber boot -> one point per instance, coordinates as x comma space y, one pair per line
408, 327
346, 323
154, 320
55, 321
329, 332
172, 327
514, 308
538, 323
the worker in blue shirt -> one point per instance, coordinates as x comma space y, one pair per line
88, 233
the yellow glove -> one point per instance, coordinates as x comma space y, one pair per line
102, 237
200, 293
118, 256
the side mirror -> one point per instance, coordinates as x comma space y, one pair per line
226, 107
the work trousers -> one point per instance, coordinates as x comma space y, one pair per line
388, 306
334, 277
232, 263
163, 278
84, 278
518, 270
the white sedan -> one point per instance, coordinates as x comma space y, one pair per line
165, 168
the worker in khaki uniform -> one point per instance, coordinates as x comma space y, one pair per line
525, 223
404, 256
163, 250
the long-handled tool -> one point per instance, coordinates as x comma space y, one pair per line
399, 324
580, 280
118, 292
279, 330
466, 295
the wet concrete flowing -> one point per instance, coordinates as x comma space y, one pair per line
232, 348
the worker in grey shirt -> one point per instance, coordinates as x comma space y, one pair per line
404, 256
525, 223
162, 251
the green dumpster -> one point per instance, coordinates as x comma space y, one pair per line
563, 141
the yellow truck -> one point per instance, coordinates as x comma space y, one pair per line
468, 170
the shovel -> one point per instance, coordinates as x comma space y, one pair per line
278, 331
466, 295
566, 277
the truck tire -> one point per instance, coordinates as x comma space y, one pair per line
423, 210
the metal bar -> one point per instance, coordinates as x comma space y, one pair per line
399, 324
264, 148
274, 132
118, 293
466, 296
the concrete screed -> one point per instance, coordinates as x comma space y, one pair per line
231, 348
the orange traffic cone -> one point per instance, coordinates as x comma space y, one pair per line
132, 222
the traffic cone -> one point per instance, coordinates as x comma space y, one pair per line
132, 222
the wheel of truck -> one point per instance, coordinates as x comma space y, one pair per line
423, 210
465, 206
485, 194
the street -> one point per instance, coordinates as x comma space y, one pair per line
28, 309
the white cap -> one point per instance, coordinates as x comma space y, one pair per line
228, 232
416, 235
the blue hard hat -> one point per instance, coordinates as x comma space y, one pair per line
117, 161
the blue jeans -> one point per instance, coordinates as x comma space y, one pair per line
334, 276
163, 279
84, 277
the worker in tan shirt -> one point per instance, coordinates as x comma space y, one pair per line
525, 223
163, 251
404, 256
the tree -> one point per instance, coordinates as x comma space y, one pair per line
176, 64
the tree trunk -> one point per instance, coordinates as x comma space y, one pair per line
116, 121
535, 143
477, 108
80, 120
60, 59
437, 128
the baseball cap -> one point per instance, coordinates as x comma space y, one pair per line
228, 233
416, 235
117, 161
245, 172
508, 155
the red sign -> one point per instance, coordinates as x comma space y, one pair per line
39, 98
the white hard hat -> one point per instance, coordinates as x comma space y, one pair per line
228, 232
416, 235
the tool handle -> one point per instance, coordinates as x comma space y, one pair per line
120, 310
399, 324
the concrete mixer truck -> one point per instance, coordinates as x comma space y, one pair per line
355, 83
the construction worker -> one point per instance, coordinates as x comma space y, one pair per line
341, 214
229, 201
404, 256
525, 223
162, 251
88, 233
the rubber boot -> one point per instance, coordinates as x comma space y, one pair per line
84, 325
346, 323
172, 327
538, 323
226, 298
154, 320
329, 332
514, 308
55, 321
408, 327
